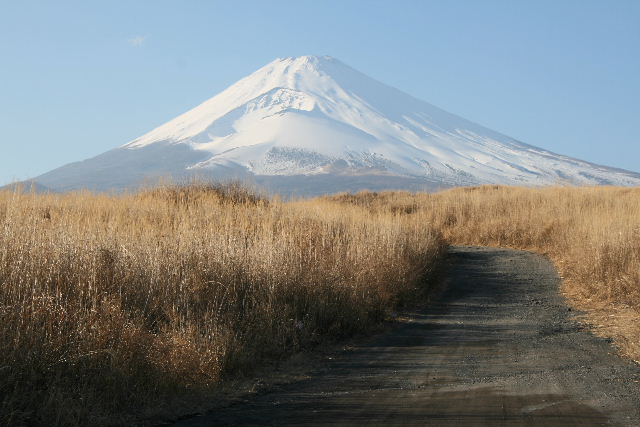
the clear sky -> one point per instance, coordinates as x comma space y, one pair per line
79, 78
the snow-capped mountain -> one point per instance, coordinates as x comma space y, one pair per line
315, 119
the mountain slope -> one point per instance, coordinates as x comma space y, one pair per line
317, 117
28, 186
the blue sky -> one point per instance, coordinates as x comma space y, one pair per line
79, 78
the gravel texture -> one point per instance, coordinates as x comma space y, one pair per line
498, 347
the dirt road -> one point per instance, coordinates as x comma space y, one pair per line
498, 348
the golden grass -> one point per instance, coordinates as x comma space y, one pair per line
592, 235
113, 306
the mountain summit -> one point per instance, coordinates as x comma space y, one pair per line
311, 124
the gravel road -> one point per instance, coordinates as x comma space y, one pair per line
499, 347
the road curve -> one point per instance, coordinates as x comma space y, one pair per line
498, 348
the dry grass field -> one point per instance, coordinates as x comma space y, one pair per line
591, 234
112, 307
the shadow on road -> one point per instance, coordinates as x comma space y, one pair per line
498, 348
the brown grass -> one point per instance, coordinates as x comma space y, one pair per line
592, 235
114, 306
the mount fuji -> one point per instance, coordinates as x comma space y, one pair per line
311, 125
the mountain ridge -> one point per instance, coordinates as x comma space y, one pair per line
316, 116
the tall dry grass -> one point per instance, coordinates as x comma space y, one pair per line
592, 235
113, 306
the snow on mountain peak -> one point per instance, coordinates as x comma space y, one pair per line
314, 115
306, 74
